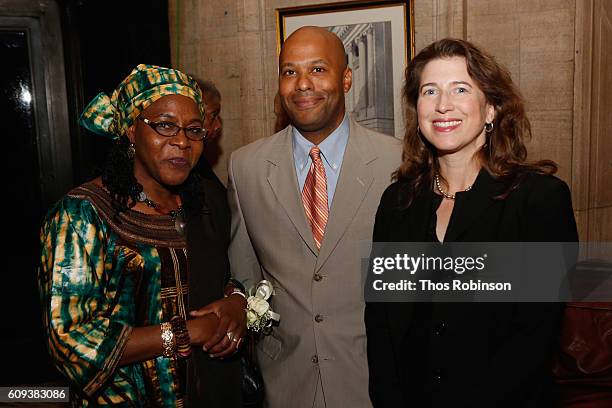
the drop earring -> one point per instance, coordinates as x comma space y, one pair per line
131, 151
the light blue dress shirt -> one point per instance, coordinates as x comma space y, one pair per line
332, 153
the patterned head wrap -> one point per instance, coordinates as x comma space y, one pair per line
113, 116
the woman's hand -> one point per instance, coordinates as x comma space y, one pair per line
232, 325
202, 328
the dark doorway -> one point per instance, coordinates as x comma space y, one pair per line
17, 104
104, 41
56, 55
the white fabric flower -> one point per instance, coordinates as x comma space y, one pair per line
258, 305
251, 318
258, 312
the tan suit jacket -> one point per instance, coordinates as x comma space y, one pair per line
317, 355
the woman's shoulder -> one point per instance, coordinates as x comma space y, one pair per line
544, 180
76, 207
392, 195
546, 209
537, 186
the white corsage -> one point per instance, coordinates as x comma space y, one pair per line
259, 314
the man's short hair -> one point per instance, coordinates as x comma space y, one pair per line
209, 89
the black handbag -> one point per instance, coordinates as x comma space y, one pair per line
252, 381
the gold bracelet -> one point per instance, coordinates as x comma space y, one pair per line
168, 340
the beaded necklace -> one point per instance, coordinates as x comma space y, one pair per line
444, 193
177, 215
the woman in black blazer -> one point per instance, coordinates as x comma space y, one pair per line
465, 178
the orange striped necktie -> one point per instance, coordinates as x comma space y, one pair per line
314, 196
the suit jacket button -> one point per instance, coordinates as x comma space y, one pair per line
318, 318
315, 359
437, 376
440, 329
317, 277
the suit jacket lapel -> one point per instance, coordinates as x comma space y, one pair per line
353, 184
283, 180
469, 206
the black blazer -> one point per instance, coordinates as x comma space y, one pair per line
210, 382
477, 355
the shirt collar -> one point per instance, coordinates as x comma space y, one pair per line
332, 148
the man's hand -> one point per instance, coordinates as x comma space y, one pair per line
232, 325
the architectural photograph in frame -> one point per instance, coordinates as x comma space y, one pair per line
378, 38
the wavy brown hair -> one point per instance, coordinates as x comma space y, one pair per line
504, 156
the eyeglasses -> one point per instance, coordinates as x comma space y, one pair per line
169, 129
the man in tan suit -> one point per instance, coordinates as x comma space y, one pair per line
301, 202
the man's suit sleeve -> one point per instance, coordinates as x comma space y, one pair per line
243, 259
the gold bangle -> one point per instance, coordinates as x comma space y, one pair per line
168, 340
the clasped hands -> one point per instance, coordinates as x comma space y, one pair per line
220, 326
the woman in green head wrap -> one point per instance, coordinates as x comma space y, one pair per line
127, 256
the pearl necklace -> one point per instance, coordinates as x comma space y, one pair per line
177, 215
444, 193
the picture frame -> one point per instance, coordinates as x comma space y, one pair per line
378, 37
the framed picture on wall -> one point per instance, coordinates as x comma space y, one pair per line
378, 37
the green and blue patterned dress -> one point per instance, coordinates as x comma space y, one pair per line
101, 275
